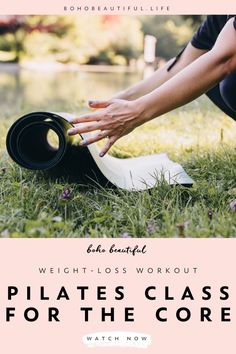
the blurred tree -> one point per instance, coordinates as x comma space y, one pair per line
126, 37
57, 25
172, 32
15, 29
10, 30
9, 24
84, 39
196, 19
92, 39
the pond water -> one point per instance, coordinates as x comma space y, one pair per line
28, 90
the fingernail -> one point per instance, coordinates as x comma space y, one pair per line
101, 154
91, 101
83, 142
70, 132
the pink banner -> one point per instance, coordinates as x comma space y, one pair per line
110, 295
150, 7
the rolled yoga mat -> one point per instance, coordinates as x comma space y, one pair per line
29, 145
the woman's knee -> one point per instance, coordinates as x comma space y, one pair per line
228, 91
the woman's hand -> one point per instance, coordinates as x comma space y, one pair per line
112, 120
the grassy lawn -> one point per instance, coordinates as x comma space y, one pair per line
198, 136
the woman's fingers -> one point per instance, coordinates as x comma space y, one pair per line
95, 138
83, 129
99, 104
92, 117
103, 124
89, 117
86, 128
108, 145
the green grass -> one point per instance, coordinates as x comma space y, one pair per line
198, 136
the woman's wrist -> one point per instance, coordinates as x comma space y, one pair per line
144, 108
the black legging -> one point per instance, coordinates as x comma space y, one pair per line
223, 95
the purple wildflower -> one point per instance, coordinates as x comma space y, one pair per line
66, 194
151, 227
125, 235
233, 205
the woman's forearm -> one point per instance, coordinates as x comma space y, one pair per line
161, 75
187, 85
196, 79
147, 85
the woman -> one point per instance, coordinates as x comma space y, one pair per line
206, 65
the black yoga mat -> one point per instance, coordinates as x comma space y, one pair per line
29, 145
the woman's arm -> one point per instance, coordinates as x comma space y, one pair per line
195, 79
160, 75
119, 117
